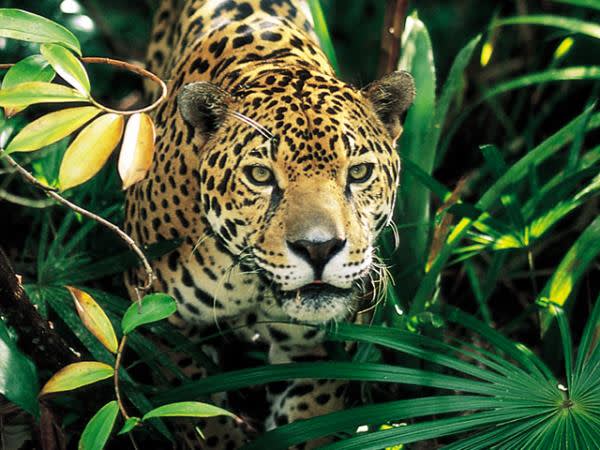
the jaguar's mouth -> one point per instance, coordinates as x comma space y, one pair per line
318, 301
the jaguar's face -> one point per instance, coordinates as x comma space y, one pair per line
303, 195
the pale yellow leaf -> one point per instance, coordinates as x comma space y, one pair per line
51, 128
90, 150
76, 375
137, 150
32, 92
94, 318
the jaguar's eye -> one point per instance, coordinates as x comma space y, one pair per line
260, 175
360, 173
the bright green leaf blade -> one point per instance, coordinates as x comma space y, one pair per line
32, 68
130, 424
572, 267
77, 375
67, 66
566, 23
595, 4
51, 128
26, 26
323, 32
187, 409
152, 308
590, 339
18, 376
32, 92
564, 74
97, 431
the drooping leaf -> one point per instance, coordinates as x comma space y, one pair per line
51, 128
90, 150
130, 424
26, 26
151, 308
18, 376
77, 375
33, 92
187, 409
98, 429
67, 66
137, 150
94, 318
566, 23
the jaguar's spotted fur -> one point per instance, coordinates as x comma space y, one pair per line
276, 175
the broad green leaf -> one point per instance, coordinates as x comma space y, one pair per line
32, 68
98, 429
322, 32
129, 425
76, 375
51, 128
18, 376
26, 26
572, 267
566, 23
137, 150
33, 92
67, 66
94, 318
90, 150
151, 308
187, 409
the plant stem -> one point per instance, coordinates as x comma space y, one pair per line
395, 15
116, 377
51, 192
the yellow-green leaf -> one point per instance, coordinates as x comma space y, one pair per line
51, 128
26, 26
137, 150
76, 375
187, 409
90, 150
67, 66
94, 318
98, 429
25, 94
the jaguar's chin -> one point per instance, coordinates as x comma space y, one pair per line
318, 302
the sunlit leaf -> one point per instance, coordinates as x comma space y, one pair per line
18, 376
97, 431
51, 128
151, 308
566, 23
137, 149
94, 318
90, 150
187, 409
322, 32
26, 26
76, 375
130, 424
33, 92
67, 66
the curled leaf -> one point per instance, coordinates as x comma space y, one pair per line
187, 409
29, 93
26, 26
67, 66
94, 318
98, 429
51, 128
90, 150
76, 375
151, 308
137, 150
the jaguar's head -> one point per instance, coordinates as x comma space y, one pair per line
298, 177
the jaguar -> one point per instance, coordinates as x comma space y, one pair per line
276, 177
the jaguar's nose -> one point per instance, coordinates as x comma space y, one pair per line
317, 253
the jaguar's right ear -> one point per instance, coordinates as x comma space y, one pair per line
203, 105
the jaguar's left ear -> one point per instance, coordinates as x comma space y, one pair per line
391, 96
203, 105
